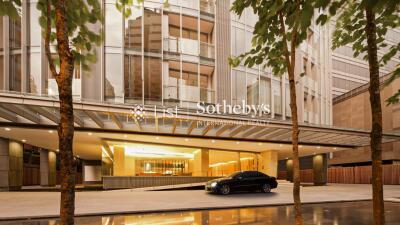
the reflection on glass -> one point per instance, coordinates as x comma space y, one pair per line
133, 78
15, 72
114, 79
15, 33
277, 91
34, 73
34, 27
1, 72
133, 29
152, 79
113, 26
238, 86
152, 30
1, 34
265, 91
252, 89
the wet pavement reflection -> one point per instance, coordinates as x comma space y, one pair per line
359, 213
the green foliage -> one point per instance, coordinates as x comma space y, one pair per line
350, 27
269, 41
82, 15
10, 8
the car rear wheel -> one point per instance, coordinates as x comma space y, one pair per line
225, 189
266, 188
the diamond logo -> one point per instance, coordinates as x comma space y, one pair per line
137, 112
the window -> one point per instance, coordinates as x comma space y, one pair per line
133, 29
252, 89
133, 78
152, 30
238, 86
152, 79
113, 78
113, 26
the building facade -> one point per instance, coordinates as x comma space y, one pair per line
161, 60
353, 110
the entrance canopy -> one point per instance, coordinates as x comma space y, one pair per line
34, 112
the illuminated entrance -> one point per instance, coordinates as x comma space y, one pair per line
137, 159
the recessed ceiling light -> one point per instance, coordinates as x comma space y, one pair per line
57, 150
89, 134
50, 131
23, 140
125, 136
157, 137
238, 142
77, 156
213, 141
186, 139
318, 147
280, 145
259, 143
287, 158
300, 146
7, 129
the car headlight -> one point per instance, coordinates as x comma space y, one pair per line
213, 184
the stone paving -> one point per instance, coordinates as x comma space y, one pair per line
22, 205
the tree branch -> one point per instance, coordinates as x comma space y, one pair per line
47, 40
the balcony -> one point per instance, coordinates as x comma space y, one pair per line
187, 94
189, 47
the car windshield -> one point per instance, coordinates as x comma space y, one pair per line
234, 174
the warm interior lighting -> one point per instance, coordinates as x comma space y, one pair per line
23, 140
246, 158
90, 134
153, 152
50, 131
7, 129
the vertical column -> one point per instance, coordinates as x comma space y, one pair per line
269, 162
130, 166
320, 169
119, 161
201, 163
47, 168
289, 170
11, 164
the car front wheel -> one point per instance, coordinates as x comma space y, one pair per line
266, 188
225, 189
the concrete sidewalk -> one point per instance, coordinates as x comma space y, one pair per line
22, 205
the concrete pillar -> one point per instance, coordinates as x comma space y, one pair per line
201, 163
48, 168
130, 165
119, 161
320, 169
238, 163
269, 162
11, 164
289, 170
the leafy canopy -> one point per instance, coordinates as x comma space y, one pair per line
270, 38
350, 29
9, 8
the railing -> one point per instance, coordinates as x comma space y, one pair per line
186, 93
207, 6
189, 47
207, 50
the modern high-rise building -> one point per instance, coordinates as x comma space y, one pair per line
161, 102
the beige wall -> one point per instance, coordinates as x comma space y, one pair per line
355, 112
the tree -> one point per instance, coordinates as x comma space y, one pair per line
364, 24
280, 24
65, 24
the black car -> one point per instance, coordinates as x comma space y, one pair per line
242, 181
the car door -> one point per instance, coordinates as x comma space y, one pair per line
249, 181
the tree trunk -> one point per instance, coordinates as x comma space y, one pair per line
66, 126
295, 143
376, 109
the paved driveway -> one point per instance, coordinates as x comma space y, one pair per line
46, 204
